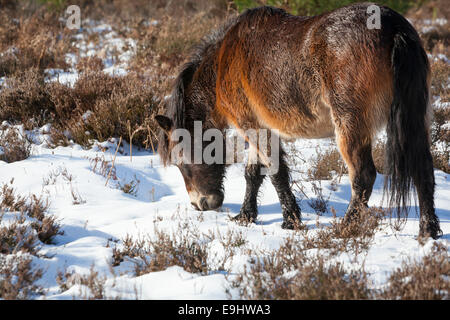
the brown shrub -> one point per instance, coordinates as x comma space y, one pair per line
98, 107
327, 164
113, 102
102, 106
17, 237
319, 203
441, 159
14, 145
92, 281
131, 187
290, 273
440, 137
440, 72
165, 250
163, 46
90, 64
24, 98
424, 279
18, 278
46, 227
31, 39
351, 236
438, 35
378, 155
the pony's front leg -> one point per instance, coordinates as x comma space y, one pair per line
289, 207
253, 179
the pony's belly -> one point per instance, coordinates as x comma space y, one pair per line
308, 131
297, 125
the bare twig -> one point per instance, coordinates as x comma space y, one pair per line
114, 160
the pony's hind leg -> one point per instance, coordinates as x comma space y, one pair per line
424, 182
253, 179
357, 154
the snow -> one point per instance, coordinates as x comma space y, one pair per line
114, 51
107, 214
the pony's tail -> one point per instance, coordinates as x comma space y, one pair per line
408, 157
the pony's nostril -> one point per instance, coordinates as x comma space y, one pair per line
215, 201
203, 204
195, 206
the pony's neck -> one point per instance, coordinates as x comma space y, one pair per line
208, 115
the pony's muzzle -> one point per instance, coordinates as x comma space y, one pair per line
206, 202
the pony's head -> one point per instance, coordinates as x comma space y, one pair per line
204, 182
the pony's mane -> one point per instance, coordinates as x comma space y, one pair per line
175, 107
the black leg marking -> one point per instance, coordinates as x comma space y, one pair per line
281, 182
254, 179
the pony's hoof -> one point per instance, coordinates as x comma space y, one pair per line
245, 218
292, 224
350, 219
433, 232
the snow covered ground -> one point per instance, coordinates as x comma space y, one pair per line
107, 214
104, 214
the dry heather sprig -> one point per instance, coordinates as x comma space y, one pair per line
31, 37
353, 236
92, 285
14, 145
424, 279
181, 248
292, 273
18, 278
45, 226
326, 164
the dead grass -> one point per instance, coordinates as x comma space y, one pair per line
101, 106
17, 237
440, 137
163, 46
103, 167
98, 107
185, 246
90, 64
319, 204
19, 240
130, 187
435, 37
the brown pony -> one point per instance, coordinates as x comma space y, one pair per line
311, 77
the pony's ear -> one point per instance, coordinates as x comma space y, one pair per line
165, 123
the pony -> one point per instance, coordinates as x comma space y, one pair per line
311, 77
